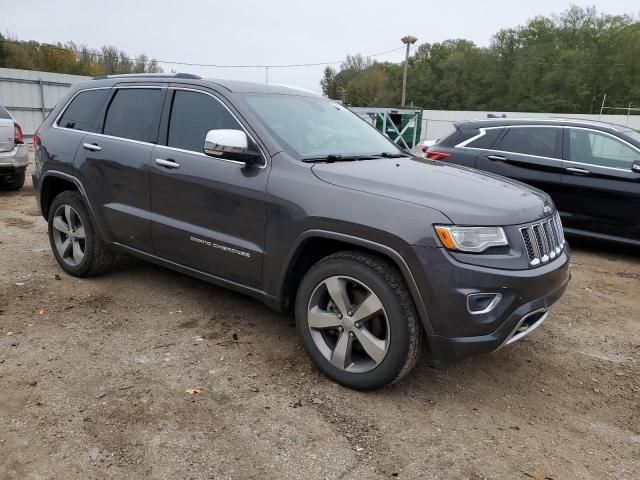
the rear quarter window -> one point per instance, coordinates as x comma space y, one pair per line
4, 115
487, 140
451, 138
82, 113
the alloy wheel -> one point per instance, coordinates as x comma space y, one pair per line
69, 235
348, 324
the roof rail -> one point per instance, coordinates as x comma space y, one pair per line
151, 75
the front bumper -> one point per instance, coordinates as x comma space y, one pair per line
526, 299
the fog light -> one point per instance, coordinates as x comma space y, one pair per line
480, 303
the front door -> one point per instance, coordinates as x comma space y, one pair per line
601, 191
207, 213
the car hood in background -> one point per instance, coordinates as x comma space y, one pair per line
466, 196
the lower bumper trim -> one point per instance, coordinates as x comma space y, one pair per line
526, 325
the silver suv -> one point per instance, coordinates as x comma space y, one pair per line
13, 152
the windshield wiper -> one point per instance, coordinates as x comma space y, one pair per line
338, 158
392, 155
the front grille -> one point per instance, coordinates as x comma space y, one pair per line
543, 241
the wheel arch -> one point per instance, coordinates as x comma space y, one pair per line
313, 245
53, 184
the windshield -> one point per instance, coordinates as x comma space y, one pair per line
310, 127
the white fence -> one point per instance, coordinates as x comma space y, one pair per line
29, 95
437, 123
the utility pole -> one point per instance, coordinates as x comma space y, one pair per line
408, 41
266, 74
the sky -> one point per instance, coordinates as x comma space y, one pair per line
273, 32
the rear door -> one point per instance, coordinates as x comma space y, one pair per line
467, 149
530, 154
6, 131
601, 191
208, 213
114, 164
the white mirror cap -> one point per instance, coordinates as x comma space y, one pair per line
224, 140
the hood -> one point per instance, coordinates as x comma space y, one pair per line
465, 195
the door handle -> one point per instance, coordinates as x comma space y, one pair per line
91, 146
578, 171
167, 163
497, 158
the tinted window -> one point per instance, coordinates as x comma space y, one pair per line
82, 113
588, 146
4, 115
540, 141
192, 116
134, 113
487, 140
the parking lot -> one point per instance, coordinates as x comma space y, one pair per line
94, 376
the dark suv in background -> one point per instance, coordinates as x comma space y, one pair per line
293, 199
590, 169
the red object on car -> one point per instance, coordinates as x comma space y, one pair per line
18, 138
434, 154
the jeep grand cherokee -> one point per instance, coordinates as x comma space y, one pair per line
293, 199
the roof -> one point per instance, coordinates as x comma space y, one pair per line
559, 121
250, 87
229, 85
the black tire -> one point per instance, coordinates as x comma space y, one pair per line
18, 182
97, 258
405, 342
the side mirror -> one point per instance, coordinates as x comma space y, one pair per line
231, 145
635, 166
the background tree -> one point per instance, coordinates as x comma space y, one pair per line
71, 58
564, 63
329, 85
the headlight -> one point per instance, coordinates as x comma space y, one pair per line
471, 239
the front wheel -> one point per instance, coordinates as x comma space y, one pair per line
357, 321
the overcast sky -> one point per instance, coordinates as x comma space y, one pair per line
250, 32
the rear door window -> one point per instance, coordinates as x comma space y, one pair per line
134, 114
83, 111
537, 141
595, 148
193, 114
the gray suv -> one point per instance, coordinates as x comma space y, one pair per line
293, 199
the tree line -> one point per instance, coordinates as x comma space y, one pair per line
71, 58
564, 63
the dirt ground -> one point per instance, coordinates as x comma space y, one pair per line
93, 375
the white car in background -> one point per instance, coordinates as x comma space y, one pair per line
14, 157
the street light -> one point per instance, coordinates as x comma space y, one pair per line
408, 41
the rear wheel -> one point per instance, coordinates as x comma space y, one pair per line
75, 242
17, 182
357, 321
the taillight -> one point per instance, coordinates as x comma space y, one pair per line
435, 155
36, 140
424, 149
17, 134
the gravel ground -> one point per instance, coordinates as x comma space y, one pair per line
94, 374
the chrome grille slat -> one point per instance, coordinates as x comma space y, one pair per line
543, 240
